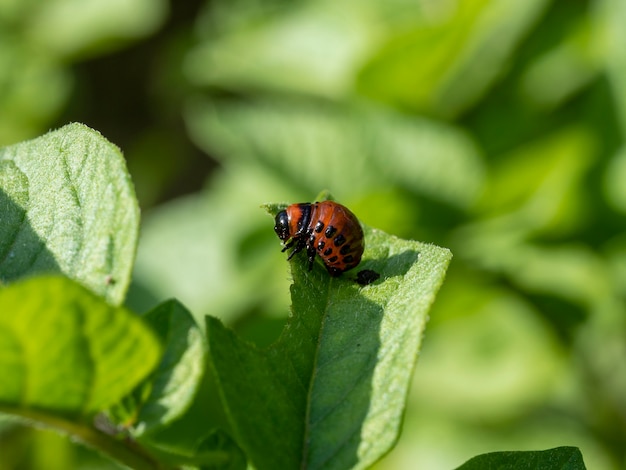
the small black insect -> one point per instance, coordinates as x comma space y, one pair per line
366, 276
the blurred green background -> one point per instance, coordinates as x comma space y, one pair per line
495, 128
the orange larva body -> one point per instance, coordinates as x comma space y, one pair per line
326, 229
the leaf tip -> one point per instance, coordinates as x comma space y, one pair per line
325, 195
274, 208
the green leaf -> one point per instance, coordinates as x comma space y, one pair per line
311, 146
542, 179
71, 209
63, 349
217, 451
444, 64
559, 458
556, 75
330, 392
67, 27
210, 450
611, 15
34, 88
244, 45
173, 385
614, 177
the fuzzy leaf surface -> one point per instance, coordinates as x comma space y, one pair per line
67, 205
330, 392
559, 458
63, 349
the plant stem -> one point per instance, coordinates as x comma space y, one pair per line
124, 452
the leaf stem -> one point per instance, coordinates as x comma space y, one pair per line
125, 452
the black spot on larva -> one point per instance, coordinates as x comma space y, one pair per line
330, 231
328, 251
332, 259
339, 240
334, 271
348, 259
344, 249
320, 245
319, 226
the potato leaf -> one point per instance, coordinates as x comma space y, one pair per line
330, 392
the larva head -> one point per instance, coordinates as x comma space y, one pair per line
281, 226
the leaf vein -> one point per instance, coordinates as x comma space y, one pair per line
307, 426
356, 428
358, 380
79, 204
